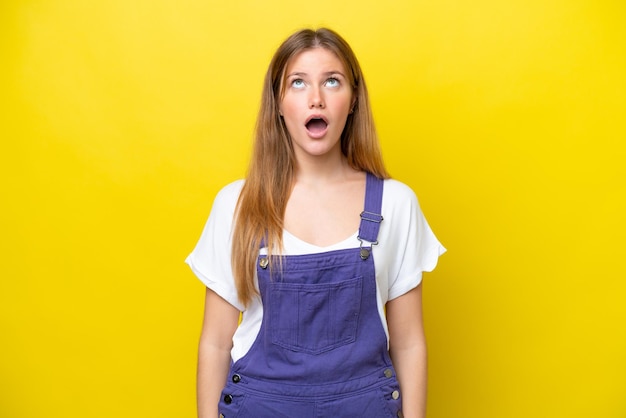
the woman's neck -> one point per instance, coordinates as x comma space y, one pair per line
320, 171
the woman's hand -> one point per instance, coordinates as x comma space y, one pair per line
220, 322
407, 347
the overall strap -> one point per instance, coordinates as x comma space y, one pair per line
371, 216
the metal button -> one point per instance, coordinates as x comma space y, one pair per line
264, 262
400, 414
236, 378
364, 254
228, 399
388, 373
395, 394
221, 415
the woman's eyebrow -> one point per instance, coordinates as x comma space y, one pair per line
326, 74
296, 74
329, 73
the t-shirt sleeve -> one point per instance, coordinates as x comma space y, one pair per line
417, 249
210, 260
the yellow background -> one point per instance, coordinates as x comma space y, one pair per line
120, 120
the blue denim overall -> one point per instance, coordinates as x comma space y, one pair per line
321, 350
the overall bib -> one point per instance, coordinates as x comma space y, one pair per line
321, 350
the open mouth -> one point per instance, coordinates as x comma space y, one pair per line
316, 125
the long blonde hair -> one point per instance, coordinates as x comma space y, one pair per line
261, 206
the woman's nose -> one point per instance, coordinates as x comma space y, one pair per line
316, 99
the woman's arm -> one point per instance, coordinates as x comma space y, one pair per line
220, 322
407, 347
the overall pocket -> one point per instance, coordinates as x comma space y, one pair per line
314, 318
391, 398
231, 402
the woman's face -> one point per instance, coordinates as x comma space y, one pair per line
316, 101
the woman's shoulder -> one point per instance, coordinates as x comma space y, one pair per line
396, 192
231, 189
226, 198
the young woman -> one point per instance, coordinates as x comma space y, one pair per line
322, 254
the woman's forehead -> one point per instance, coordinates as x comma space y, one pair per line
315, 59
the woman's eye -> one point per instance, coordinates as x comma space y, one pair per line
332, 82
297, 83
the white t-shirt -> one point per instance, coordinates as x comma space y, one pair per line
406, 248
